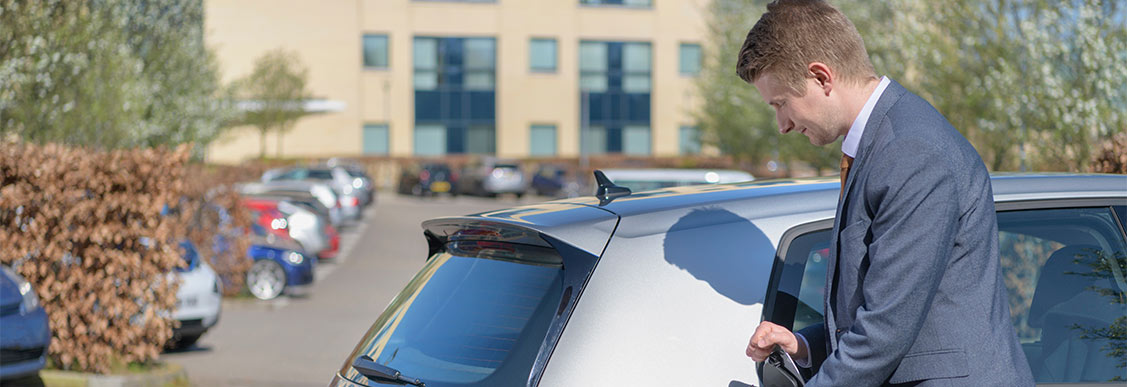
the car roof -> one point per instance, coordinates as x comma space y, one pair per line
679, 174
776, 197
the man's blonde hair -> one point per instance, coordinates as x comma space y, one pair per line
793, 34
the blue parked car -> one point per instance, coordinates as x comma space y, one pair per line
24, 335
280, 265
277, 267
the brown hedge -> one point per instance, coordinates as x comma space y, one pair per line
72, 222
214, 186
1110, 155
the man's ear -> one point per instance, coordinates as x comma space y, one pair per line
822, 75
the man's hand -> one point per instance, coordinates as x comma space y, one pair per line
767, 336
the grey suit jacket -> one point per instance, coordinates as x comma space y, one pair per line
915, 293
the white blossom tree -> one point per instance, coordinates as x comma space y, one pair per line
107, 73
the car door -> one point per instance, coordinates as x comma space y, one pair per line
1064, 265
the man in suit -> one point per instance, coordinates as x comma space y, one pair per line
914, 289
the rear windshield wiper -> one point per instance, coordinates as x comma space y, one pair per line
380, 372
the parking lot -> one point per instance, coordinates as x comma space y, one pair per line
303, 340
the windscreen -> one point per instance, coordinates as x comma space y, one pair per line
476, 314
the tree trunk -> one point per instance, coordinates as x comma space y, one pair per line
261, 143
279, 150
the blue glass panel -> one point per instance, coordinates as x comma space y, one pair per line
452, 77
616, 104
428, 105
639, 111
613, 139
482, 105
614, 55
596, 105
456, 108
452, 52
456, 139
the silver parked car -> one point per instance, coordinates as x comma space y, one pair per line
324, 194
665, 287
350, 196
491, 177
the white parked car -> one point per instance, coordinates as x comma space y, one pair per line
664, 288
198, 301
638, 180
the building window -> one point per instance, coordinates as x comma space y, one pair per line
594, 140
455, 82
481, 139
615, 96
430, 140
479, 62
593, 66
690, 59
542, 140
375, 139
425, 54
636, 67
636, 140
542, 55
375, 51
690, 140
622, 3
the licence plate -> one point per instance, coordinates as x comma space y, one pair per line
440, 186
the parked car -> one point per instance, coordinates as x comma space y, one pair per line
321, 191
656, 178
492, 177
302, 224
24, 331
556, 181
278, 268
360, 178
665, 287
426, 179
349, 197
198, 300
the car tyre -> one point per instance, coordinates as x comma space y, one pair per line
266, 279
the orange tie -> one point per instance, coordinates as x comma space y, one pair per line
846, 162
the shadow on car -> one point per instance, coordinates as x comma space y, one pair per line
701, 243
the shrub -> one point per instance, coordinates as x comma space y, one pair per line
86, 229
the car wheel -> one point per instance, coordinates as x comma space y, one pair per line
266, 279
417, 190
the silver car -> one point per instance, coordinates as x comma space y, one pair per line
492, 177
350, 196
665, 287
324, 194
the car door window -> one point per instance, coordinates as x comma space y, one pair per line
1064, 271
797, 299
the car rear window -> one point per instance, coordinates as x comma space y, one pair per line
476, 314
505, 166
320, 174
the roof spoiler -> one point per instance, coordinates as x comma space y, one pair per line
607, 191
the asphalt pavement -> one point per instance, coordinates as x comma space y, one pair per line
304, 340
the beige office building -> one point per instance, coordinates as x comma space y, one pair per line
514, 78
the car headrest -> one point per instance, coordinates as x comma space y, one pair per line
1066, 273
